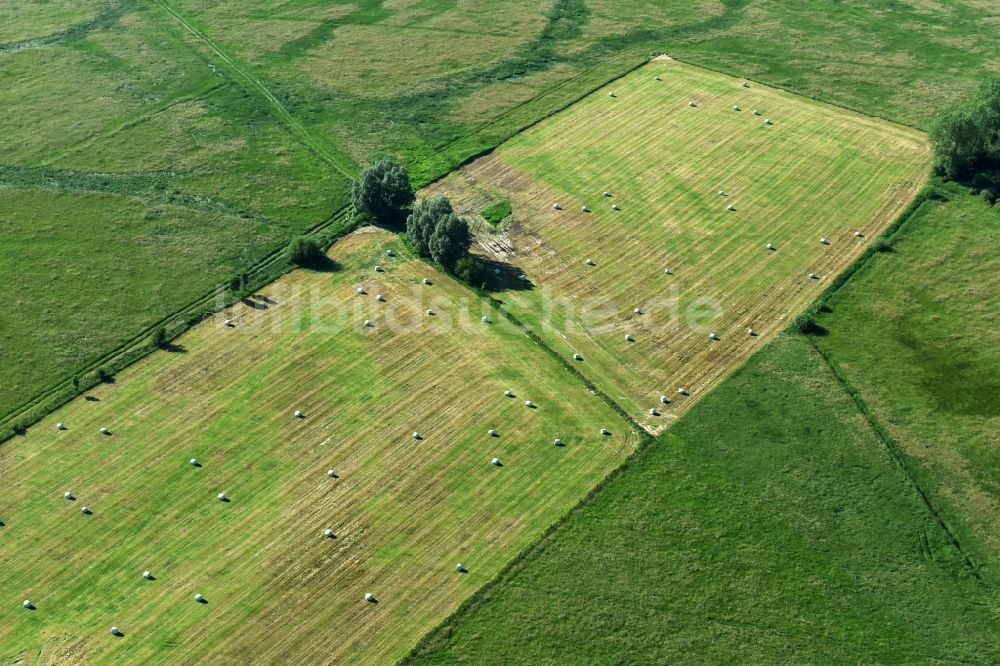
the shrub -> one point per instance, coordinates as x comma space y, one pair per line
383, 191
103, 375
304, 251
471, 270
158, 338
882, 245
805, 323
496, 212
449, 241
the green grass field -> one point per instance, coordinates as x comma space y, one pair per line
404, 511
768, 526
817, 172
917, 336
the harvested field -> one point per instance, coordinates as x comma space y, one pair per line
817, 172
403, 511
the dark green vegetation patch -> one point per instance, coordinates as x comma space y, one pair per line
497, 212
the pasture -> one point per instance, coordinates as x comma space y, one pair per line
403, 511
916, 334
769, 525
700, 190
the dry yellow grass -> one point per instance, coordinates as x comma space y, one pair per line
404, 511
818, 171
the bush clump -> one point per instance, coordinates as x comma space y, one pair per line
304, 251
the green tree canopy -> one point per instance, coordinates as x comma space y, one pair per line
383, 191
421, 222
967, 140
449, 241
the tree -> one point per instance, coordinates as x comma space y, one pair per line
304, 251
471, 270
421, 222
383, 191
449, 241
967, 140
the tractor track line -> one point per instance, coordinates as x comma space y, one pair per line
899, 458
253, 84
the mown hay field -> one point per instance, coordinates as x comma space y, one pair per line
404, 512
817, 172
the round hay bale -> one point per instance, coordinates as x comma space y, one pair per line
557, 442
745, 84
426, 280
611, 94
328, 534
460, 568
508, 393
147, 575
417, 435
200, 599
104, 431
229, 323
730, 207
430, 313
194, 462
115, 631
529, 404
666, 271
486, 320
368, 323
605, 194
615, 207
767, 121
495, 462
858, 234
736, 108
692, 103
605, 432
27, 604
85, 510
664, 400
299, 414
722, 193
756, 112
491, 432
813, 276
378, 269
590, 262
331, 473
68, 495
359, 291
629, 338
682, 391
390, 253
653, 411
556, 206
369, 597
637, 311
60, 426
380, 298
824, 241
751, 332
713, 336
223, 497
586, 209
657, 78
577, 357
770, 246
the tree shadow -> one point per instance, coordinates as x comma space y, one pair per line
321, 264
250, 303
174, 348
265, 299
501, 276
